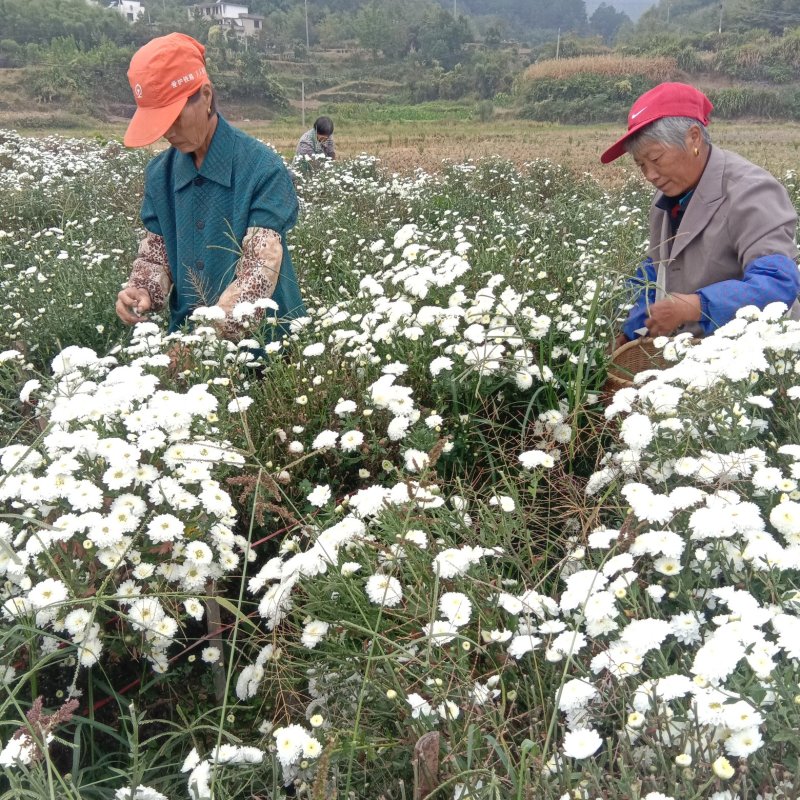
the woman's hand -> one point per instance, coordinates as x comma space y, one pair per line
132, 303
669, 314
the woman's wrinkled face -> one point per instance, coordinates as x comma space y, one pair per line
190, 130
673, 170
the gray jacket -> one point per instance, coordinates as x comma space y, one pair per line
738, 212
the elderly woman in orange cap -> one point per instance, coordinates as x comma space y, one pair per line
217, 203
722, 230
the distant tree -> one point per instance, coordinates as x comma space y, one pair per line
370, 26
441, 38
776, 16
491, 74
492, 38
336, 29
607, 22
383, 27
42, 21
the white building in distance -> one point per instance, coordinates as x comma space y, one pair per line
130, 9
230, 15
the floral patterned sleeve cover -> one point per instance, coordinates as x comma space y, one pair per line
257, 273
151, 270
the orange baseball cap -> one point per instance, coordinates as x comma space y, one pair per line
665, 100
163, 75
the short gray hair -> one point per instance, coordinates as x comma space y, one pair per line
669, 131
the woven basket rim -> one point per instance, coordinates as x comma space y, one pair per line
623, 380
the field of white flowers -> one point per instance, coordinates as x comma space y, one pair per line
416, 551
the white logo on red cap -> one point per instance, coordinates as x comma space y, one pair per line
137, 90
633, 116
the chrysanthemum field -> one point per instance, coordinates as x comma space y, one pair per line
415, 550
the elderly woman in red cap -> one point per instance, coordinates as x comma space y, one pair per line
722, 230
217, 203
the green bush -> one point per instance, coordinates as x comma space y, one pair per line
581, 98
762, 58
484, 110
756, 102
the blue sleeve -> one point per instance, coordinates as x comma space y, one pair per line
642, 287
274, 204
153, 176
768, 279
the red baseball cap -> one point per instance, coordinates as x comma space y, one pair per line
665, 100
163, 75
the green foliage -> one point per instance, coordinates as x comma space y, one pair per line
42, 21
765, 58
607, 22
484, 110
569, 47
583, 97
756, 102
248, 77
68, 73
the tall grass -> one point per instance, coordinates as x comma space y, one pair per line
654, 68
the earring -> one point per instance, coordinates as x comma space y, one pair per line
696, 151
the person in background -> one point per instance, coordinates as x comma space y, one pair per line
217, 203
722, 230
318, 141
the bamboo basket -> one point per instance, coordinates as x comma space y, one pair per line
630, 359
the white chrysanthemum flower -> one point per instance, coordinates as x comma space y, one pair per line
419, 706
139, 793
165, 528
416, 460
520, 645
351, 441
785, 518
324, 440
194, 608
320, 495
398, 427
743, 743
316, 349
496, 636
456, 607
637, 431
384, 590
344, 407
440, 631
582, 743
311, 748
313, 633
505, 502
575, 694
239, 404
289, 742
199, 553
536, 458
440, 364
448, 710
249, 680
741, 715
416, 537
48, 592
